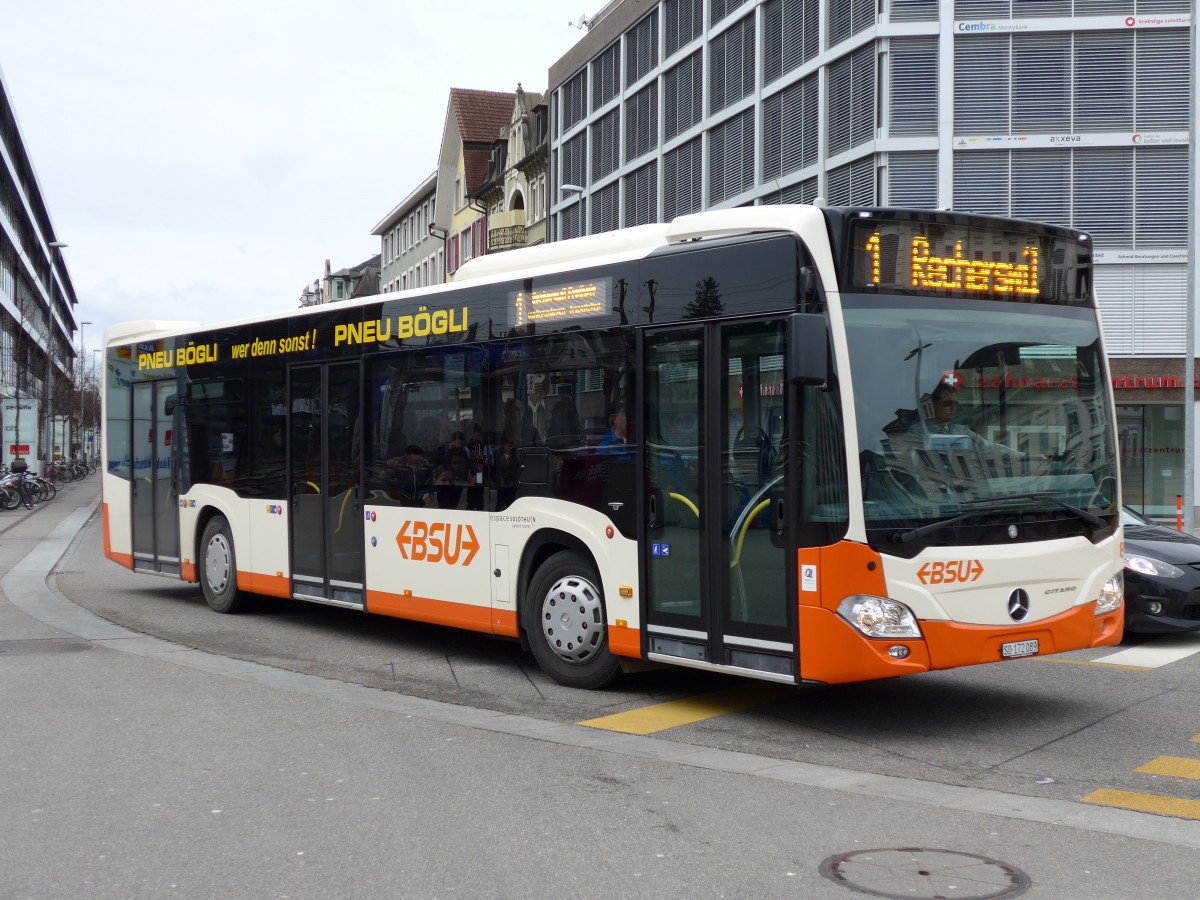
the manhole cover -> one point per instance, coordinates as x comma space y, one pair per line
42, 645
921, 872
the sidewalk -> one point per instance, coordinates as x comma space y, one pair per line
22, 532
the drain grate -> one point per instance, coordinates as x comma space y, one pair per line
41, 646
920, 872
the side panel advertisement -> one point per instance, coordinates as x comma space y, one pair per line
24, 444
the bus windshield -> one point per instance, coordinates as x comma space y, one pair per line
966, 437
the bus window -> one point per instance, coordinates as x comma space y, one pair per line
214, 423
430, 436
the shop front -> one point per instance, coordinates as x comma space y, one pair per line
1149, 397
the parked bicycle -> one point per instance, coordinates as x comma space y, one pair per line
18, 489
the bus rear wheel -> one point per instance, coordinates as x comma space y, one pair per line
218, 568
565, 623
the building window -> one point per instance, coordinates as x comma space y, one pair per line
852, 100
913, 98
683, 95
570, 221
606, 76
912, 180
848, 17
853, 184
606, 142
791, 35
731, 158
682, 179
605, 209
641, 48
682, 21
572, 160
790, 128
641, 195
914, 10
731, 65
573, 100
641, 122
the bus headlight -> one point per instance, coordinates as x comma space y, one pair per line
879, 617
1112, 595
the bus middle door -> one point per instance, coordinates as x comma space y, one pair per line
325, 463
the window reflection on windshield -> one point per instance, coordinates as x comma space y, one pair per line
961, 403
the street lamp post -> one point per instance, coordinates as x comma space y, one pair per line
81, 371
96, 401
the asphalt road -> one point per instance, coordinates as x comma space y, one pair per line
311, 752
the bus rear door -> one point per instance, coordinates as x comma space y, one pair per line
154, 487
325, 456
718, 548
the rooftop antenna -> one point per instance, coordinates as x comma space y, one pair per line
582, 22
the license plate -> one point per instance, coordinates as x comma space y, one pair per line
1013, 649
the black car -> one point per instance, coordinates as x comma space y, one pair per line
1162, 577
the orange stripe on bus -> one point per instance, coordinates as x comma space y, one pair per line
625, 641
121, 559
442, 612
831, 651
954, 644
266, 585
843, 569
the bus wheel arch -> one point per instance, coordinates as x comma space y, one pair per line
217, 566
563, 615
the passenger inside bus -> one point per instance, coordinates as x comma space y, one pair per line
565, 429
613, 441
408, 478
508, 469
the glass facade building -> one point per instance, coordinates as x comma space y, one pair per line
1073, 112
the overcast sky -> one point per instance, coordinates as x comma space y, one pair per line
203, 159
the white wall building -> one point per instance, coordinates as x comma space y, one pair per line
411, 257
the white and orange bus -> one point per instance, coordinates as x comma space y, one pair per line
786, 442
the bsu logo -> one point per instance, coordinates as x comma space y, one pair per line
954, 571
437, 542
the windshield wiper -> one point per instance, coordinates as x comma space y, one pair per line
914, 534
1082, 514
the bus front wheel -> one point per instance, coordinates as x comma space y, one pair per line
218, 568
565, 623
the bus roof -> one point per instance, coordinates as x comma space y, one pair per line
642, 240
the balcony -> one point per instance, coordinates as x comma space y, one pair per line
506, 231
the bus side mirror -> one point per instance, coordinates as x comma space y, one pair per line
807, 348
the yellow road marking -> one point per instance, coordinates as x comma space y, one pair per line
661, 716
1172, 766
1151, 803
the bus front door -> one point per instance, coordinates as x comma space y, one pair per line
154, 487
718, 535
325, 449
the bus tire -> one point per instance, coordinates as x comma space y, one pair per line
218, 568
565, 623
